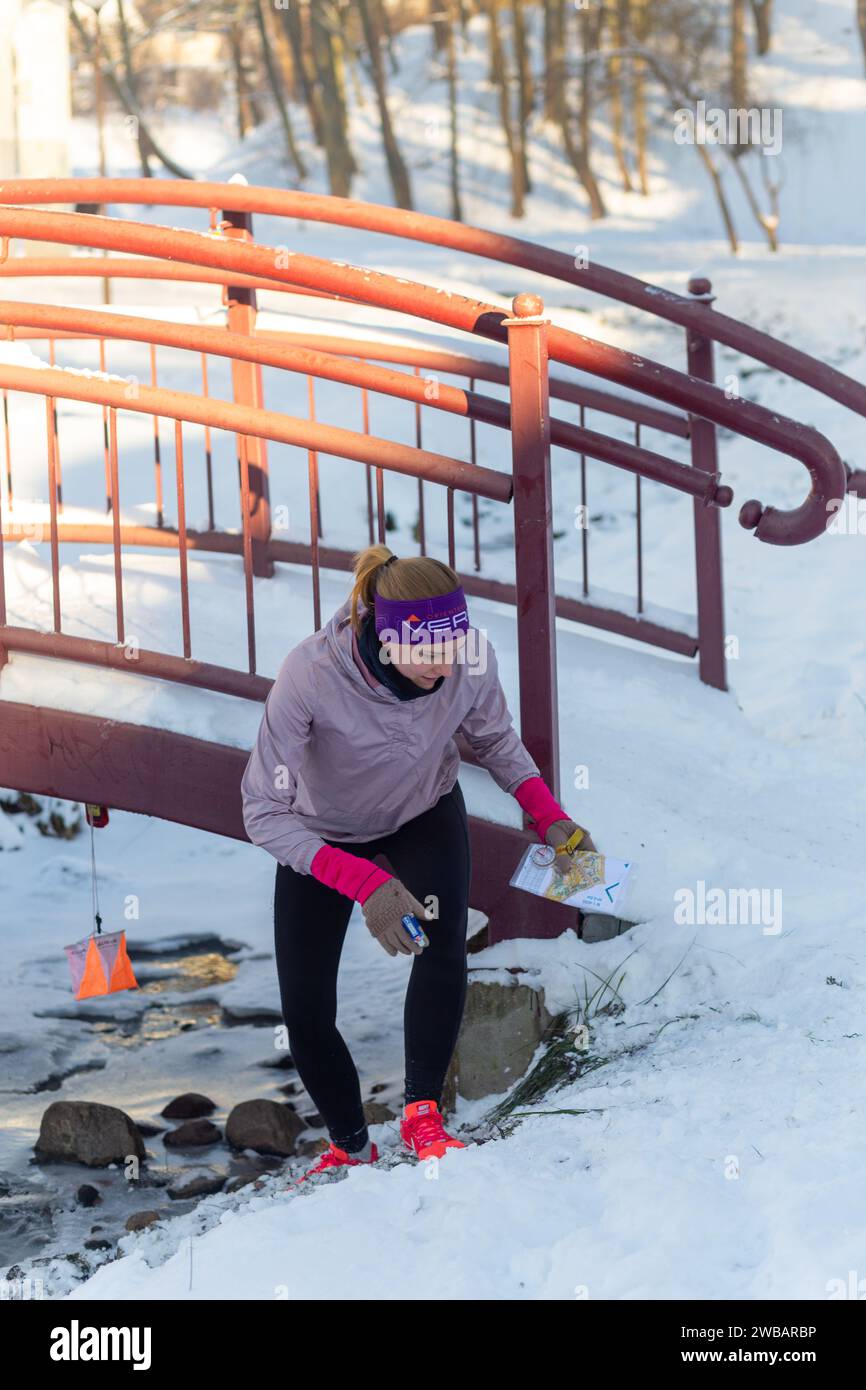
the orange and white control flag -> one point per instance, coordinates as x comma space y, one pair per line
100, 965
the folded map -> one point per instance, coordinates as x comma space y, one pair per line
593, 882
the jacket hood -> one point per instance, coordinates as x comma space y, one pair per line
338, 639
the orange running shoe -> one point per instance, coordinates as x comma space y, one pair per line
338, 1158
422, 1131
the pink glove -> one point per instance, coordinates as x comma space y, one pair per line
537, 801
553, 825
349, 874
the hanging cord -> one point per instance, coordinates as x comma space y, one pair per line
94, 885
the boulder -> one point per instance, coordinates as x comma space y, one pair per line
189, 1106
195, 1134
501, 1029
83, 1131
265, 1126
140, 1220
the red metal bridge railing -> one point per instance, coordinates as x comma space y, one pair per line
228, 257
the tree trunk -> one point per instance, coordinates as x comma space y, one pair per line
710, 166
276, 85
291, 18
769, 224
382, 21
763, 13
553, 54
501, 81
454, 151
640, 26
439, 25
141, 138
590, 35
341, 163
861, 24
248, 113
397, 170
524, 87
739, 94
681, 98
619, 28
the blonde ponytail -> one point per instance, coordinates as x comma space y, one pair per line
418, 577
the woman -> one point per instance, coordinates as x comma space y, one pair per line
356, 757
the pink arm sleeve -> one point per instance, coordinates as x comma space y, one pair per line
349, 873
538, 803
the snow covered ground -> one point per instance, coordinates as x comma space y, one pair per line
716, 1154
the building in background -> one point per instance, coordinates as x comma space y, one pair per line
35, 104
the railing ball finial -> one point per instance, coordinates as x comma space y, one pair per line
527, 306
750, 514
699, 284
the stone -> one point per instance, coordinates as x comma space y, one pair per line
375, 1113
600, 926
140, 1220
83, 1131
195, 1134
87, 1196
502, 1027
189, 1106
148, 1130
265, 1126
199, 1182
311, 1148
282, 1062
97, 1245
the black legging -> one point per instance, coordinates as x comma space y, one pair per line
430, 855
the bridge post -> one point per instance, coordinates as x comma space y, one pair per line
708, 542
247, 389
533, 533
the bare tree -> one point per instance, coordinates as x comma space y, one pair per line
397, 170
304, 69
640, 29
276, 84
453, 112
738, 78
861, 24
524, 87
763, 13
618, 27
131, 82
126, 98
341, 161
590, 24
249, 112
552, 56
501, 80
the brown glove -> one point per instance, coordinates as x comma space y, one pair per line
382, 912
558, 833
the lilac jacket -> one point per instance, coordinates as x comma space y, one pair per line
340, 757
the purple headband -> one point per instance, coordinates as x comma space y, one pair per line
439, 616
